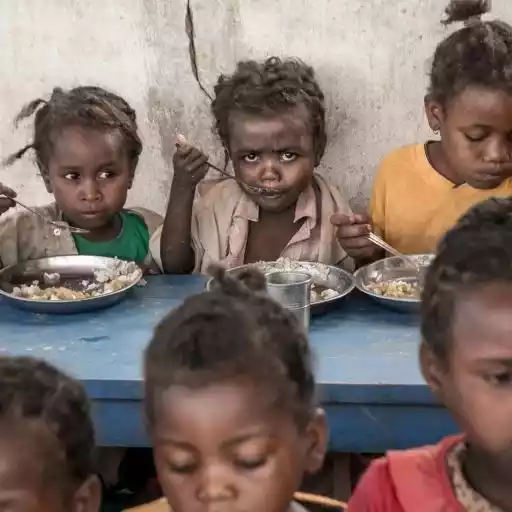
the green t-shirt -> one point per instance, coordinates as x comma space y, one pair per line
131, 244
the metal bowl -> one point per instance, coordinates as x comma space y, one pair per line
390, 269
328, 276
70, 268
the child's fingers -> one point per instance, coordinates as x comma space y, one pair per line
181, 141
6, 191
341, 219
5, 204
195, 159
354, 231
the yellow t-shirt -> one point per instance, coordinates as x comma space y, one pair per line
412, 205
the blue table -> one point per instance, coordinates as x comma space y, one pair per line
368, 374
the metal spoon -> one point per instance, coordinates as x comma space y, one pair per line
379, 242
58, 224
252, 188
182, 141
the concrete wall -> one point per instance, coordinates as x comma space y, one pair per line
370, 55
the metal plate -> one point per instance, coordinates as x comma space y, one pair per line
70, 268
328, 276
390, 269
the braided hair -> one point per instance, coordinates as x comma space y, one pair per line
273, 85
34, 391
485, 236
479, 54
88, 106
234, 330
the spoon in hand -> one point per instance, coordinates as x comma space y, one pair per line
182, 141
58, 224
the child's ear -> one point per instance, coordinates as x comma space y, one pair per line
46, 177
434, 112
88, 497
317, 438
432, 370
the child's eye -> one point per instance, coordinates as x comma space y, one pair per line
475, 137
500, 379
105, 175
251, 463
71, 176
250, 158
184, 468
288, 156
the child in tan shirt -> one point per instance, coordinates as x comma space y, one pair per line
270, 117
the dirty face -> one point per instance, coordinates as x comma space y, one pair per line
476, 381
476, 137
274, 151
224, 448
89, 173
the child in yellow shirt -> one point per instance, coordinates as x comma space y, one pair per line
420, 191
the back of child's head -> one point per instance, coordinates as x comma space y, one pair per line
233, 331
271, 86
47, 437
477, 252
84, 106
479, 54
230, 392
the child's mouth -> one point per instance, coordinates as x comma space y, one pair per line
264, 191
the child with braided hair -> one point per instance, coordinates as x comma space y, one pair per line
86, 147
420, 191
46, 440
466, 359
230, 402
270, 118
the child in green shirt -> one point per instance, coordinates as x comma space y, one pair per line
87, 146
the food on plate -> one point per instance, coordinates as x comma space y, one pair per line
396, 289
108, 280
319, 273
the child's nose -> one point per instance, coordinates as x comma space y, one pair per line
270, 170
497, 151
90, 190
215, 485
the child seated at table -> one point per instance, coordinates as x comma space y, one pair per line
466, 356
46, 440
86, 147
270, 117
230, 402
420, 191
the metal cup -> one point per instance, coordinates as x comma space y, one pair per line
293, 291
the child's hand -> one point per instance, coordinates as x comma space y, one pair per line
353, 233
5, 202
190, 164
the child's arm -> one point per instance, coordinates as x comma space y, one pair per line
190, 167
352, 233
5, 202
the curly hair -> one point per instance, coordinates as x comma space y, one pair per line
234, 330
485, 234
34, 390
88, 106
273, 85
479, 54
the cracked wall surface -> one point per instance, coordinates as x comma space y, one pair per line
371, 58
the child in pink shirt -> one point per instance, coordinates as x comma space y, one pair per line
466, 359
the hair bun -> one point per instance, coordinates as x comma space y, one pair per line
468, 11
246, 281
